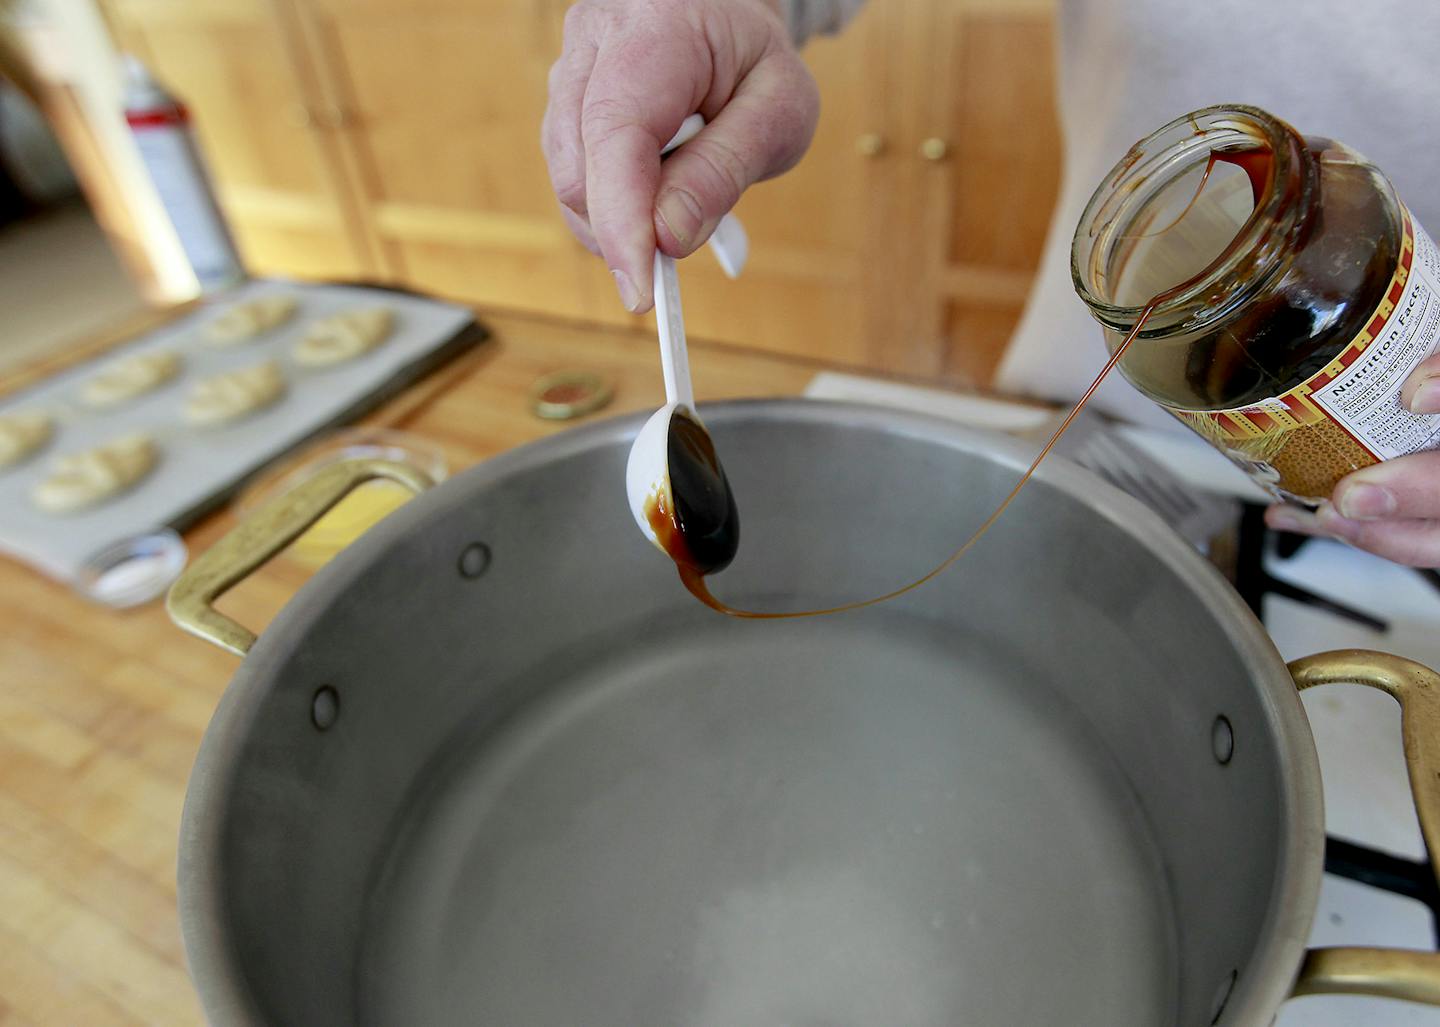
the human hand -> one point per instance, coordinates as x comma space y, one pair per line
630, 73
1392, 508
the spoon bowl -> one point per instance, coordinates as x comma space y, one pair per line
679, 494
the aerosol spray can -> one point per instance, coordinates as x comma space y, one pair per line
161, 126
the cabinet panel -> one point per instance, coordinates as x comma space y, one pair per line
805, 290
811, 315
978, 334
231, 63
1006, 170
995, 187
904, 242
446, 98
443, 101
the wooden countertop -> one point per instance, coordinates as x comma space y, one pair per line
101, 712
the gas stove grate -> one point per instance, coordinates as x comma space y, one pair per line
1395, 874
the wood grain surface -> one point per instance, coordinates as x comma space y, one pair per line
364, 137
101, 712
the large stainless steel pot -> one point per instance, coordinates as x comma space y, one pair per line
493, 766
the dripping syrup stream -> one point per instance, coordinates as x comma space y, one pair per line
1257, 164
694, 581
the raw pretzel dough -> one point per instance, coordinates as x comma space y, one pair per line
84, 479
344, 336
129, 378
22, 434
244, 321
233, 394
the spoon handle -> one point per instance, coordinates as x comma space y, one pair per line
674, 357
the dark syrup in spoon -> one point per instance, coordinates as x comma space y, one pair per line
695, 520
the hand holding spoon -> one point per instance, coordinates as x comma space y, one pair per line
677, 489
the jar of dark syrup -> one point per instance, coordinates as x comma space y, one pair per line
1281, 290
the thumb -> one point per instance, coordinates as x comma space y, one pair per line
1421, 391
762, 131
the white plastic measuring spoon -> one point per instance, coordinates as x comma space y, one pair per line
677, 489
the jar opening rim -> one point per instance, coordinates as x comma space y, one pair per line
1166, 154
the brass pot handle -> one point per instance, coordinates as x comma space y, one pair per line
1387, 973
259, 537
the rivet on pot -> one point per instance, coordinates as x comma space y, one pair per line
1222, 995
474, 560
1222, 740
325, 708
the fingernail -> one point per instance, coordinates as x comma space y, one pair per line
1365, 502
629, 295
1427, 398
681, 215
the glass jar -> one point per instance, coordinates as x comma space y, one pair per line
1289, 294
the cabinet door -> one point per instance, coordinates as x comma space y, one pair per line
445, 99
442, 102
906, 240
991, 163
822, 236
260, 126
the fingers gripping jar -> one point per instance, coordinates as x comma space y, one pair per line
1290, 294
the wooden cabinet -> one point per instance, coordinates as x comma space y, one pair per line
906, 240
814, 232
256, 111
442, 101
398, 140
992, 191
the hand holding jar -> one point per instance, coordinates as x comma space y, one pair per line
1273, 293
1391, 509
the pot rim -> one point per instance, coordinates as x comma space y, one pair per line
215, 968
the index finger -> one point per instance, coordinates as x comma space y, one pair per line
622, 171
631, 109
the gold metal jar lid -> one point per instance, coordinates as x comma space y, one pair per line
565, 395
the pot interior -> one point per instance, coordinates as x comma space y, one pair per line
560, 791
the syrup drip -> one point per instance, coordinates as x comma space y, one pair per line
694, 580
1258, 165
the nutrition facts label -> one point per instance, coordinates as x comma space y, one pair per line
1348, 415
1364, 396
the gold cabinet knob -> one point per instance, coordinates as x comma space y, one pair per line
934, 148
299, 116
871, 144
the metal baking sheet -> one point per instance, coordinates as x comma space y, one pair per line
199, 468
